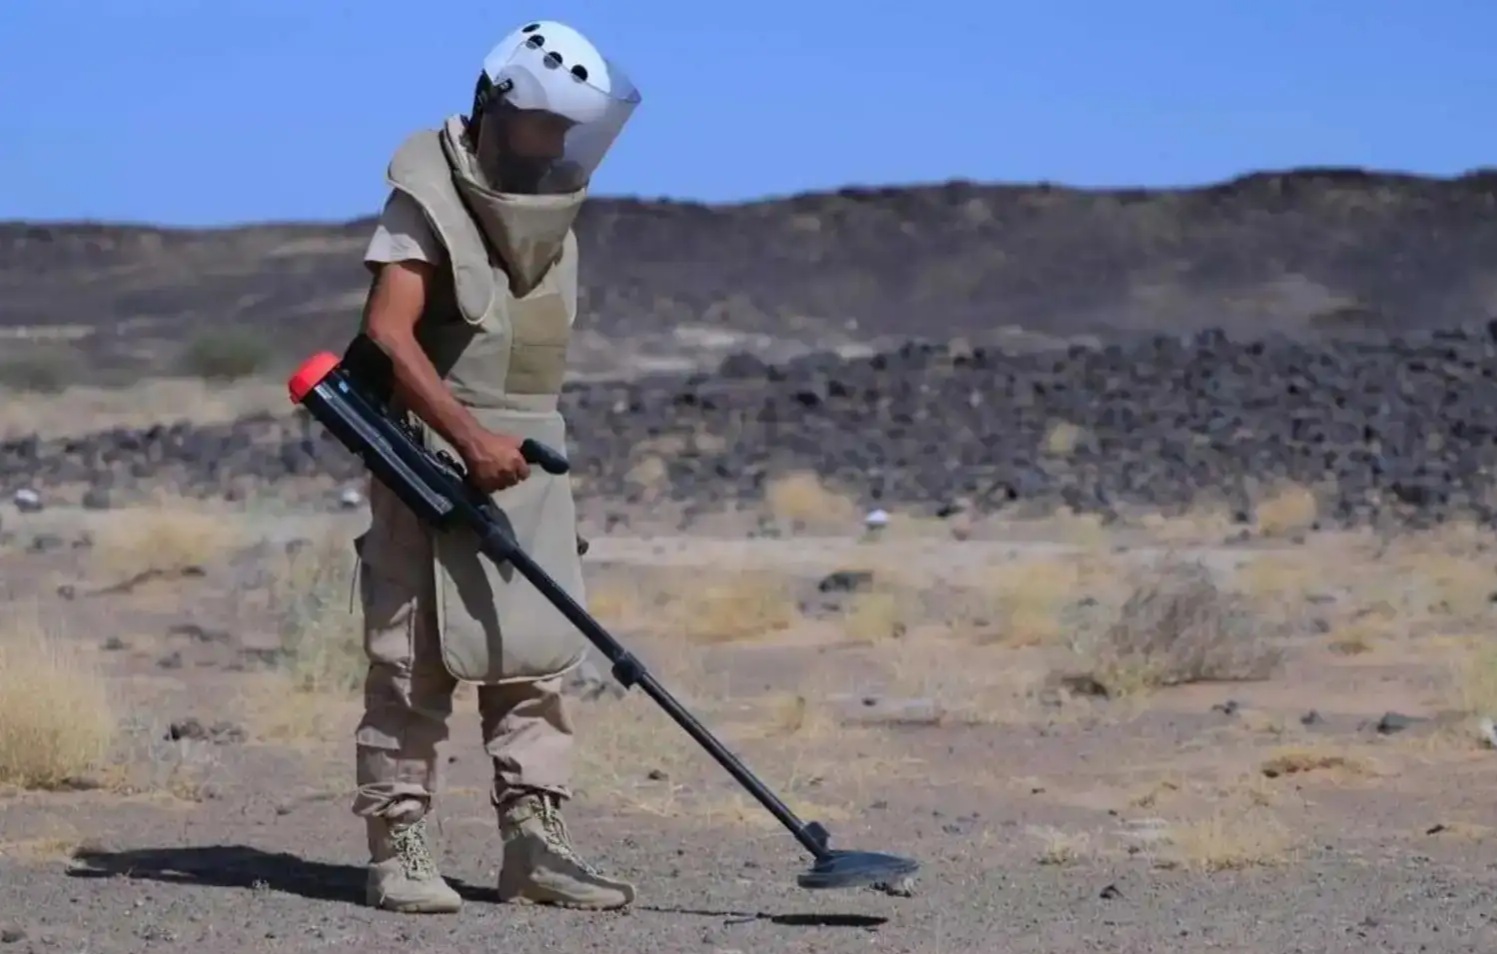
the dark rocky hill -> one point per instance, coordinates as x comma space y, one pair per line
1393, 430
1303, 251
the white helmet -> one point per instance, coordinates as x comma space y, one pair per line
550, 66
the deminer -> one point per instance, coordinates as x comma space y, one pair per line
473, 298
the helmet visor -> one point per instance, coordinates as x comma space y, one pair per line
557, 119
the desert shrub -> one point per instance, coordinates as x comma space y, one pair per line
1176, 627
43, 372
226, 354
321, 644
57, 721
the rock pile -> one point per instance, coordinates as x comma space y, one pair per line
1405, 428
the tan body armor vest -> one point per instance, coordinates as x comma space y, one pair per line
503, 355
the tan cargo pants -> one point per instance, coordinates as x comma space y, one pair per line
527, 729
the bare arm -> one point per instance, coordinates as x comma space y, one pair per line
396, 301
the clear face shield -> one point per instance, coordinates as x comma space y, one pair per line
544, 125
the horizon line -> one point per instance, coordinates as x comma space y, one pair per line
1349, 172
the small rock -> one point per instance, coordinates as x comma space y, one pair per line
186, 729
875, 710
12, 936
199, 633
845, 581
902, 888
350, 499
1311, 718
1487, 731
46, 543
194, 730
1229, 707
1083, 684
1392, 722
113, 644
1110, 893
171, 660
96, 498
27, 500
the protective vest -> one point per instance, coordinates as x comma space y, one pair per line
496, 328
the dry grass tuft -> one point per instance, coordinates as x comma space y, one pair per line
715, 608
1228, 840
1445, 572
1062, 438
1287, 510
793, 714
1280, 583
61, 846
57, 720
1079, 529
1476, 682
162, 540
717, 605
284, 712
1022, 603
1178, 627
624, 601
1204, 522
803, 501
1450, 584
321, 636
1059, 847
1302, 760
885, 612
1364, 632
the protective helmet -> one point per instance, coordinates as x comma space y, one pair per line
550, 67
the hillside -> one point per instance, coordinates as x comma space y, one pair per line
1302, 250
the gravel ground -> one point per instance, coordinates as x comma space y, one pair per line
1052, 824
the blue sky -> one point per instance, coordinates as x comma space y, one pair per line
212, 112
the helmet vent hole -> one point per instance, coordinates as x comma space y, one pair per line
553, 59
532, 28
536, 42
580, 72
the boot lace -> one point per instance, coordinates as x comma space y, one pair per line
557, 836
415, 855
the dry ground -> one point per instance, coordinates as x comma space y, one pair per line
82, 409
1094, 739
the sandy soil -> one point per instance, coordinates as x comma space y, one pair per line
949, 708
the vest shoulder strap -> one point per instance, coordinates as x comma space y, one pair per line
419, 168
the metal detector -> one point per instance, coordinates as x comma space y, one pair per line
350, 397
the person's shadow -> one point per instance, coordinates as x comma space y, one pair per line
245, 868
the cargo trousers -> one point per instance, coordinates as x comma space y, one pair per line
527, 728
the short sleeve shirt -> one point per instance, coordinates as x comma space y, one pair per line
403, 234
